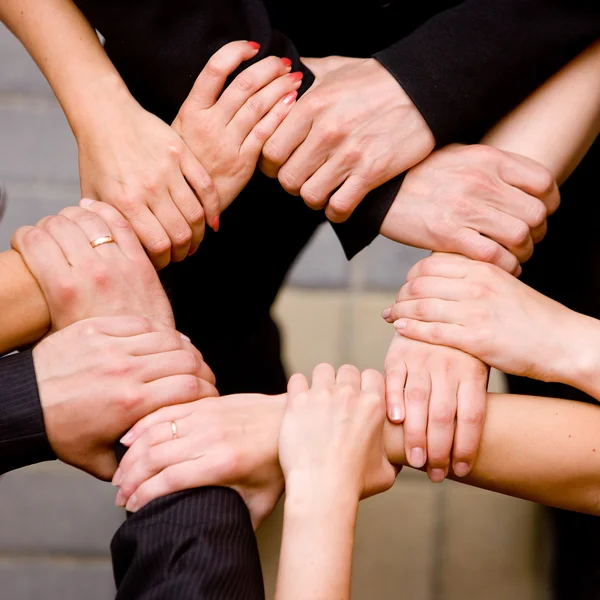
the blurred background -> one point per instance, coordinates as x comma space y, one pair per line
419, 541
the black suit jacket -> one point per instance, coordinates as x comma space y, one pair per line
23, 439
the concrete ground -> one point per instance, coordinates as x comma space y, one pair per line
419, 541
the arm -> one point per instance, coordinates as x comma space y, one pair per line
540, 449
470, 65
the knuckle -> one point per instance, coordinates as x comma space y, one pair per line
474, 417
415, 395
214, 68
174, 150
130, 398
420, 308
159, 245
182, 237
443, 414
254, 105
244, 82
537, 214
100, 274
437, 333
520, 234
65, 289
288, 180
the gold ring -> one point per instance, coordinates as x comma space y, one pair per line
174, 429
106, 239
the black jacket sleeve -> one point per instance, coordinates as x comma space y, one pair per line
470, 65
192, 545
23, 439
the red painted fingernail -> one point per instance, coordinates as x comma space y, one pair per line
215, 223
254, 45
289, 98
286, 62
296, 76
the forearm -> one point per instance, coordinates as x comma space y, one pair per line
318, 539
558, 123
24, 315
539, 449
69, 54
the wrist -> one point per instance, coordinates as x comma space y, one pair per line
579, 365
96, 106
316, 490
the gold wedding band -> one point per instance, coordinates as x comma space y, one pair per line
106, 239
174, 429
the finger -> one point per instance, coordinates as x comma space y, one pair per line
441, 265
517, 203
510, 232
177, 389
260, 103
297, 385
248, 83
180, 235
188, 204
72, 241
395, 381
372, 382
166, 364
343, 202
213, 77
253, 144
128, 326
94, 228
323, 377
157, 435
206, 191
416, 398
327, 177
440, 426
470, 418
307, 157
442, 288
439, 334
182, 476
151, 234
120, 229
348, 376
43, 257
153, 461
432, 310
165, 414
532, 178
478, 247
288, 136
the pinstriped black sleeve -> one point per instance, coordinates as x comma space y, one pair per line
23, 439
192, 545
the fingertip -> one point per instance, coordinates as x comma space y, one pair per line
396, 413
400, 324
461, 469
386, 313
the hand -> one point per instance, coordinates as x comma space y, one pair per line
477, 201
135, 162
229, 441
479, 309
332, 433
428, 387
79, 281
226, 130
96, 378
354, 129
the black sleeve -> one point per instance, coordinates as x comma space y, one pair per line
468, 66
23, 439
192, 545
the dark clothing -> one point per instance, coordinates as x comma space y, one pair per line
23, 439
566, 267
188, 546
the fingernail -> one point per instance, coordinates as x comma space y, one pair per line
132, 505
127, 439
437, 475
461, 469
417, 458
289, 98
296, 76
215, 223
120, 499
286, 62
85, 202
116, 480
185, 338
395, 412
400, 324
386, 313
254, 45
